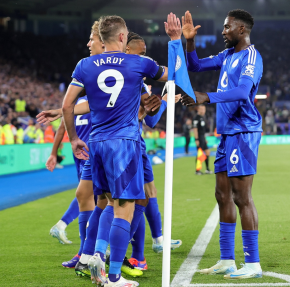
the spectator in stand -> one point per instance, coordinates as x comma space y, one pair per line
29, 132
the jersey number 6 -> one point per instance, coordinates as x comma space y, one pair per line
234, 157
115, 90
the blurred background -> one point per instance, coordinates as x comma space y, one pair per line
41, 42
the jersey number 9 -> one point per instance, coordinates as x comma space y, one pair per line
115, 90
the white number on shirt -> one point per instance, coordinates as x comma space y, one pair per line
234, 157
114, 90
80, 122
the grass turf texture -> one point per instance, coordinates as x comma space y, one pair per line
30, 257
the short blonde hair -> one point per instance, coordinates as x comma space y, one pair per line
95, 29
109, 26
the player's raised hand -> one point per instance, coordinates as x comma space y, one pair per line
46, 117
186, 100
173, 27
152, 105
188, 29
80, 149
51, 163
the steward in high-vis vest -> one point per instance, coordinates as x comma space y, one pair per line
9, 136
39, 135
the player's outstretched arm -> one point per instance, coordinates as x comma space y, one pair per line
46, 117
151, 121
239, 93
82, 108
51, 162
78, 146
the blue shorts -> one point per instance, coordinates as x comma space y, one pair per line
148, 172
117, 167
238, 154
79, 163
87, 175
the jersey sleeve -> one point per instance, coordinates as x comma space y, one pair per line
77, 75
144, 89
252, 66
150, 69
194, 64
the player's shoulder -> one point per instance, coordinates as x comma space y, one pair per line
226, 52
252, 55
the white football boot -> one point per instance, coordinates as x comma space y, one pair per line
248, 270
222, 267
122, 282
60, 234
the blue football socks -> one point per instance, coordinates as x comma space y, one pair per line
138, 213
92, 231
83, 219
250, 245
227, 240
72, 212
119, 239
105, 223
154, 217
138, 241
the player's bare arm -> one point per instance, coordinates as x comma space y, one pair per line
51, 115
51, 162
78, 146
46, 117
189, 31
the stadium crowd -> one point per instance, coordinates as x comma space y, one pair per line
30, 83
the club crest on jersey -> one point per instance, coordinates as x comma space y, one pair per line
249, 71
178, 63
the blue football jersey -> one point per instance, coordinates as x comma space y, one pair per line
113, 82
238, 116
83, 128
83, 123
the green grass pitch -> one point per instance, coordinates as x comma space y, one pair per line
30, 257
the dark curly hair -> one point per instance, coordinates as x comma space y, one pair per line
244, 16
134, 36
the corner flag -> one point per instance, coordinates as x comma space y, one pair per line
177, 70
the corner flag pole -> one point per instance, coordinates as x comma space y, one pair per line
168, 184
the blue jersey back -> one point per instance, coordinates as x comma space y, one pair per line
83, 123
113, 82
83, 128
239, 116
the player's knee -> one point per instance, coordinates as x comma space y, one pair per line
242, 199
220, 196
102, 201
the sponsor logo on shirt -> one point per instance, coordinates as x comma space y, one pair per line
249, 71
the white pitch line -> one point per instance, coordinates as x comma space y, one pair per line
239, 284
189, 266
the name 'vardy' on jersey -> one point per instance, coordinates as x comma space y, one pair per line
113, 82
239, 116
